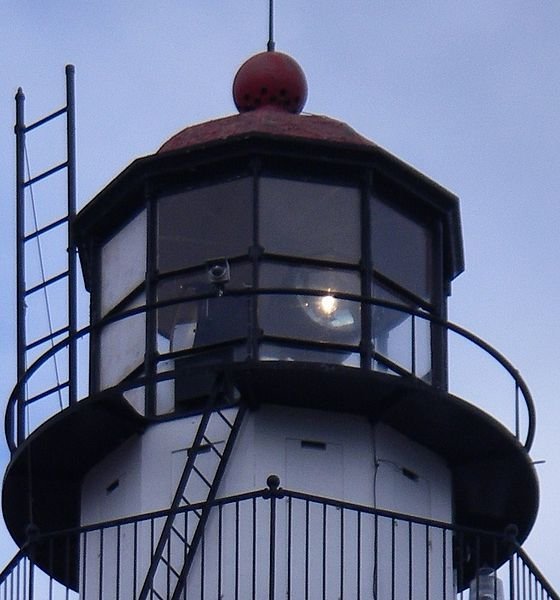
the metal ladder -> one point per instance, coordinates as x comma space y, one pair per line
204, 468
32, 230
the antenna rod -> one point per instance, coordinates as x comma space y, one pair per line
270, 44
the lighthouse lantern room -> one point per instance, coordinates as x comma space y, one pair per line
269, 410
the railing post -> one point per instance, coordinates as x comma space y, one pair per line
512, 577
273, 482
32, 534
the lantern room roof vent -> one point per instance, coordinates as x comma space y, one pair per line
270, 79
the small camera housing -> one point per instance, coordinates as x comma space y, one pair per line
218, 271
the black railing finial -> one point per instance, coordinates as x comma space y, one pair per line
273, 482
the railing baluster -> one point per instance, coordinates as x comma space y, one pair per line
517, 423
254, 550
237, 551
341, 596
413, 345
410, 573
306, 572
202, 565
324, 555
427, 552
135, 558
101, 560
408, 552
220, 548
393, 561
83, 570
118, 564
375, 555
359, 556
272, 555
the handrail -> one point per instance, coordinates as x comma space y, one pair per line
513, 560
536, 573
14, 402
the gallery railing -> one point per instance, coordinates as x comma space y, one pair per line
469, 362
277, 544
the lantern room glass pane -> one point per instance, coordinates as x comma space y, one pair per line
401, 249
122, 346
283, 352
123, 262
314, 220
209, 318
205, 223
318, 318
399, 337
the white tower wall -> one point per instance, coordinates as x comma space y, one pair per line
335, 455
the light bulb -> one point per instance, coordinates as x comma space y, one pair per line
328, 305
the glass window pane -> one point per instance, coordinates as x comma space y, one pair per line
269, 352
316, 220
400, 337
136, 397
206, 223
122, 346
321, 318
401, 249
196, 323
123, 262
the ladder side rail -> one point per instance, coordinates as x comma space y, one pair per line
20, 260
199, 442
71, 214
206, 509
178, 497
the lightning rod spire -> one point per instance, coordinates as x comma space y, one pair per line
270, 45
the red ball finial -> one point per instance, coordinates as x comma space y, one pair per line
270, 79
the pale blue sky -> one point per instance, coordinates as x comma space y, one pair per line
466, 91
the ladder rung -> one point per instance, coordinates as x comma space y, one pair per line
47, 338
178, 534
170, 566
224, 419
198, 472
191, 537
211, 447
201, 449
46, 283
159, 596
217, 452
45, 174
53, 390
46, 119
46, 228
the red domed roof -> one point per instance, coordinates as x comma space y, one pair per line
269, 91
270, 122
